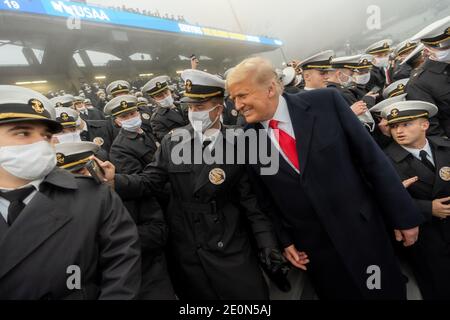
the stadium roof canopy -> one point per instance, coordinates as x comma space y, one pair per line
68, 41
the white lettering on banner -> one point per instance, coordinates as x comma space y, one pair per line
253, 39
190, 29
80, 11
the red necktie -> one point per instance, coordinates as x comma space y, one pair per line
286, 142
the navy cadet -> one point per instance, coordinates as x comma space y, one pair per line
117, 88
209, 241
76, 231
380, 51
402, 70
69, 120
395, 89
146, 110
290, 80
167, 116
431, 81
427, 161
97, 131
85, 112
340, 77
382, 132
315, 70
134, 147
148, 216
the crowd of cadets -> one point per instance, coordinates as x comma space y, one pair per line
185, 236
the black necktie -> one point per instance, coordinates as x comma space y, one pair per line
206, 143
423, 157
16, 198
84, 135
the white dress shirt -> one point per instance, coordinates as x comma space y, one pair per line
416, 152
282, 116
4, 204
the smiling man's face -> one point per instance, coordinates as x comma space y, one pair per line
255, 102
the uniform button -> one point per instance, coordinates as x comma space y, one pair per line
220, 244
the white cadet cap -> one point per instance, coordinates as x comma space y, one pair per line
436, 35
414, 54
141, 101
67, 117
78, 99
18, 104
73, 156
63, 101
380, 47
347, 62
118, 87
405, 46
120, 105
383, 104
396, 88
156, 85
201, 86
408, 110
289, 76
319, 61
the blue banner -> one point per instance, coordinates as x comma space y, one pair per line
68, 9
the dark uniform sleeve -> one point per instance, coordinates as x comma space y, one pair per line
124, 160
426, 207
160, 130
378, 170
417, 91
259, 222
120, 260
266, 204
152, 227
149, 181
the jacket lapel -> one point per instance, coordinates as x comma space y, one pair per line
175, 116
303, 124
3, 227
39, 220
441, 159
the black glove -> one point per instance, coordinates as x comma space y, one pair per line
276, 267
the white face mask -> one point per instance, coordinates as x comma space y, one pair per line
29, 162
200, 120
441, 55
348, 80
381, 62
362, 78
68, 137
132, 125
167, 102
82, 110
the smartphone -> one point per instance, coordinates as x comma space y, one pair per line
96, 171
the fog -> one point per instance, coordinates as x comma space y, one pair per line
305, 27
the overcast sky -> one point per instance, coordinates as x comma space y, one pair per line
305, 26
